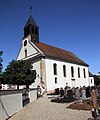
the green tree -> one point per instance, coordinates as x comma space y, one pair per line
96, 80
19, 73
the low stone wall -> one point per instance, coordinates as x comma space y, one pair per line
11, 101
33, 94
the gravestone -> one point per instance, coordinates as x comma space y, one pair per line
70, 94
25, 97
61, 92
94, 97
83, 94
88, 92
57, 91
77, 93
94, 100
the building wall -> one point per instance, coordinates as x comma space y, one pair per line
61, 80
36, 66
39, 66
44, 69
11, 101
91, 81
31, 51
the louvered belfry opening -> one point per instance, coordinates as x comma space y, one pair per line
31, 28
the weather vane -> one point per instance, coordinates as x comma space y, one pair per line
31, 10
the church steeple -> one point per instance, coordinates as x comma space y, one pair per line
31, 28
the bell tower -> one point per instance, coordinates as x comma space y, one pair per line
31, 28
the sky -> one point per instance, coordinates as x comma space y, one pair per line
73, 25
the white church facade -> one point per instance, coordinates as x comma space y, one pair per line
54, 66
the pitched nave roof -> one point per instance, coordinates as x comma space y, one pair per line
58, 53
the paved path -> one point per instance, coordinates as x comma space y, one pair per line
43, 109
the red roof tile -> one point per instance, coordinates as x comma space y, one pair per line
58, 53
90, 74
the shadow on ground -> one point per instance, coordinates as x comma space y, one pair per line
58, 99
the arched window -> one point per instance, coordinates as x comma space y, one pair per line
25, 53
78, 72
72, 71
64, 70
84, 73
91, 80
55, 80
55, 68
25, 42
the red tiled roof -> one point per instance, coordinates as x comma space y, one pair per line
90, 74
58, 53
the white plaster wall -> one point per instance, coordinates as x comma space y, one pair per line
33, 95
31, 51
48, 73
5, 87
11, 102
36, 66
50, 77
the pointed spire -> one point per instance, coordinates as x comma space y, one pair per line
31, 28
31, 21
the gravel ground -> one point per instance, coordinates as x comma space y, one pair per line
43, 109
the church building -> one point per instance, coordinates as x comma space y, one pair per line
55, 67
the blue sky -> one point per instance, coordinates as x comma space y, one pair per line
73, 25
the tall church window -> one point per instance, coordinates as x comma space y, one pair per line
55, 80
78, 72
91, 80
55, 68
84, 73
25, 53
72, 71
64, 70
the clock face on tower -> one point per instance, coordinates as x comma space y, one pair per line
25, 42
